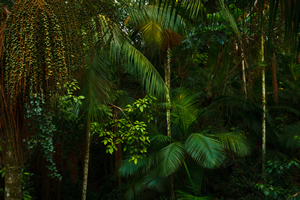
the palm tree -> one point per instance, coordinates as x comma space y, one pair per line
97, 86
263, 105
205, 148
156, 31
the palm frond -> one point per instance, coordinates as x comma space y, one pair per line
164, 18
153, 33
186, 109
194, 8
171, 158
159, 138
157, 28
234, 142
137, 63
130, 168
226, 13
154, 180
121, 48
96, 85
206, 151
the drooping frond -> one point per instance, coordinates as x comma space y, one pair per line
192, 9
234, 142
228, 16
171, 158
206, 151
186, 109
152, 32
129, 168
154, 180
165, 19
159, 29
121, 48
96, 83
159, 138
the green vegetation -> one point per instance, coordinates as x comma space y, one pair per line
144, 100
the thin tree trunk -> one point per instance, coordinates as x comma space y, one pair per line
168, 84
13, 176
86, 160
168, 99
243, 65
244, 77
264, 107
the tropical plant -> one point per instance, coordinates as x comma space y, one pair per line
206, 148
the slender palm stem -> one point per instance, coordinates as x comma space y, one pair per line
168, 84
264, 107
188, 173
243, 65
88, 139
86, 159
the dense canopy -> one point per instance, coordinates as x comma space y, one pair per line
173, 99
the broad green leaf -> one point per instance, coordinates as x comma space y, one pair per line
206, 151
171, 158
235, 142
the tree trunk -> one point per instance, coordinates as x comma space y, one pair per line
243, 65
168, 84
168, 99
264, 107
244, 77
86, 160
13, 176
118, 152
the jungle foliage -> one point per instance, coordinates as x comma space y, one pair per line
149, 99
